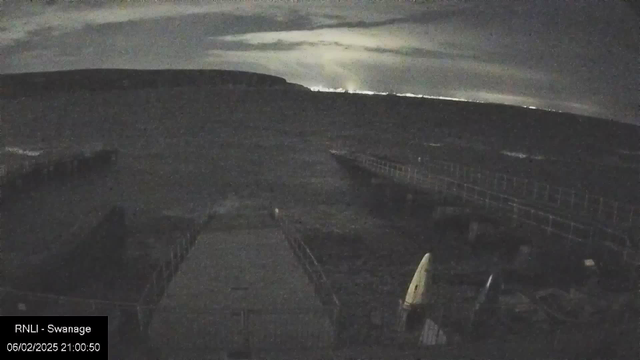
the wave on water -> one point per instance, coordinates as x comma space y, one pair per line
628, 152
473, 143
604, 160
19, 151
627, 162
522, 155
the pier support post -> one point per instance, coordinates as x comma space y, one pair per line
408, 203
473, 231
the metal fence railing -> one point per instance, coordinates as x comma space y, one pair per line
166, 271
577, 202
564, 226
314, 272
28, 302
161, 278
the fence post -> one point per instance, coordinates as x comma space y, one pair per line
336, 317
155, 288
573, 198
559, 196
140, 322
184, 247
549, 229
571, 231
164, 276
600, 207
615, 212
586, 202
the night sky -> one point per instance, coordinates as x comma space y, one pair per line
575, 56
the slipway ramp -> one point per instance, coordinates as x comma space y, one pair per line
239, 289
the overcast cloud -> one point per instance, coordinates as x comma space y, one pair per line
580, 57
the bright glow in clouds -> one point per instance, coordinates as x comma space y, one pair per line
379, 37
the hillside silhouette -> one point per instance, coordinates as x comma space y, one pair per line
39, 83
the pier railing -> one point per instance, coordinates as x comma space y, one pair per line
577, 202
494, 199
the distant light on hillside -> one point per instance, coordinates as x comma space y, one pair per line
368, 92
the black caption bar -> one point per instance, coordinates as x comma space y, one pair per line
46, 337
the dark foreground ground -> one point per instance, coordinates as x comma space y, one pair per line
192, 148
